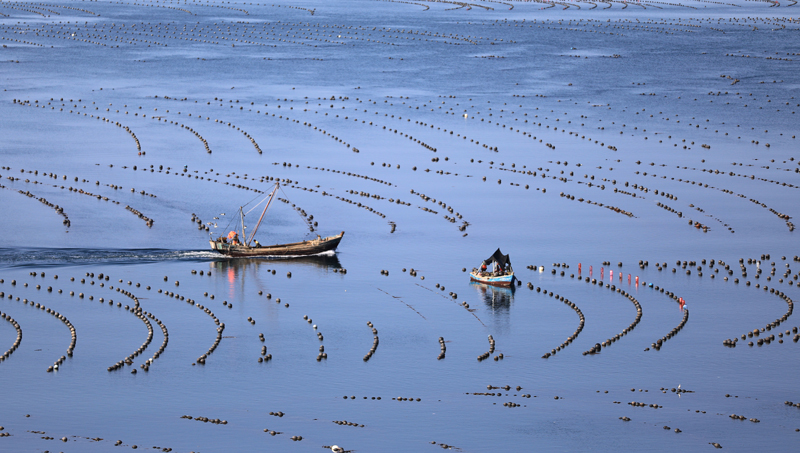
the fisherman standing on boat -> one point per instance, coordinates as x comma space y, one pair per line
233, 237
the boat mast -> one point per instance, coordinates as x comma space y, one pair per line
244, 235
263, 212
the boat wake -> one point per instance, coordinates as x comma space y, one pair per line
51, 257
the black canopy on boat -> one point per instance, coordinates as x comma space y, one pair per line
497, 256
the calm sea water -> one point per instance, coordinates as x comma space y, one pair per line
618, 128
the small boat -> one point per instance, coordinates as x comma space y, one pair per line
500, 274
231, 245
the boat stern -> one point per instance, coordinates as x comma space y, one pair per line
220, 247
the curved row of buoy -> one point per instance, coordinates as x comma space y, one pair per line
220, 325
146, 366
570, 304
264, 356
16, 326
147, 220
443, 349
137, 311
28, 103
608, 342
772, 325
74, 338
660, 342
489, 353
58, 209
375, 341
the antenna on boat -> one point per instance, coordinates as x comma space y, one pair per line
271, 195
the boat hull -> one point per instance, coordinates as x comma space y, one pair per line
305, 248
501, 280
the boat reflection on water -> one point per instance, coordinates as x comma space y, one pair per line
237, 271
496, 298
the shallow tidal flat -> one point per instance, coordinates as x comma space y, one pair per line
636, 160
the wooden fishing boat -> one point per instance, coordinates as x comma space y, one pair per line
231, 245
500, 274
305, 248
